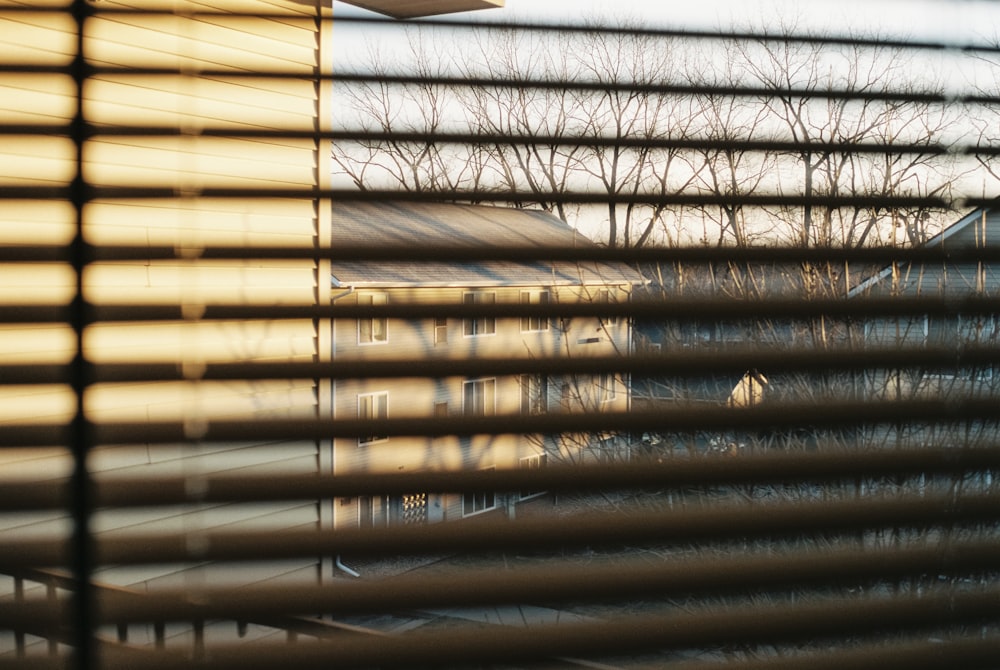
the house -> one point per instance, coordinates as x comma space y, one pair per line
417, 282
949, 331
708, 288
949, 334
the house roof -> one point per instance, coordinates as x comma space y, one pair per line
435, 225
968, 231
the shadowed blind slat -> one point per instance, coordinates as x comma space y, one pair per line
362, 343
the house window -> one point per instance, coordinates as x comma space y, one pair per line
476, 502
962, 331
608, 449
373, 407
536, 462
605, 298
607, 387
486, 325
534, 394
972, 329
480, 397
440, 330
894, 332
975, 331
568, 395
440, 411
534, 323
373, 330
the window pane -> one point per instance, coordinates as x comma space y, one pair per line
373, 407
374, 330
440, 330
480, 397
534, 323
534, 394
484, 325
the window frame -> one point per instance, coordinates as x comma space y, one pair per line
440, 326
607, 385
604, 298
532, 462
482, 326
378, 413
535, 324
534, 394
374, 298
488, 408
964, 336
471, 500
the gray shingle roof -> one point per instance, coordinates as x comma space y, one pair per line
976, 229
415, 225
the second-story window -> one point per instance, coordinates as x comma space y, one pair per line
479, 397
607, 387
373, 330
534, 323
485, 325
536, 462
440, 330
605, 297
534, 394
373, 407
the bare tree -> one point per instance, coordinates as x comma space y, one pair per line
856, 114
506, 110
422, 109
636, 112
728, 173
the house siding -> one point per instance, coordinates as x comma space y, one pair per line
417, 397
289, 43
978, 230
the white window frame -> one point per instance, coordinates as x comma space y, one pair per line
907, 330
533, 462
440, 325
479, 502
604, 298
986, 333
377, 327
484, 325
964, 338
372, 407
534, 394
607, 387
486, 405
535, 324
608, 448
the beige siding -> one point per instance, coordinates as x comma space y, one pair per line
415, 339
184, 164
416, 397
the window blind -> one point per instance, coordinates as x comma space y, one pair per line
600, 345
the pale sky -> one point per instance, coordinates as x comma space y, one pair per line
955, 23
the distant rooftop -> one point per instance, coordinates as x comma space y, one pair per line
436, 225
